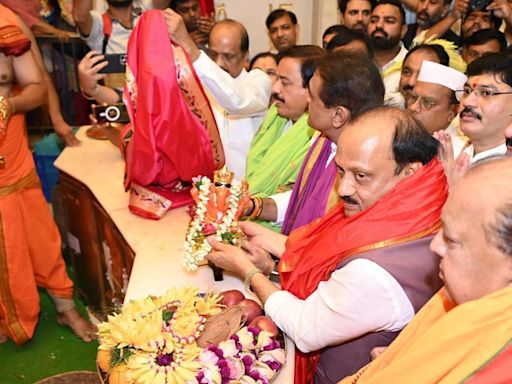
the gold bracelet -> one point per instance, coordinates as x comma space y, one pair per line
258, 208
249, 276
3, 109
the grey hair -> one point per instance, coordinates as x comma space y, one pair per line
503, 227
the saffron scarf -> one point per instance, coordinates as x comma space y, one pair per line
410, 211
448, 343
174, 134
275, 157
12, 40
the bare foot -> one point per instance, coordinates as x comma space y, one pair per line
3, 338
82, 328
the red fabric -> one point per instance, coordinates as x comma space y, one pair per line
12, 41
207, 7
498, 371
313, 251
170, 143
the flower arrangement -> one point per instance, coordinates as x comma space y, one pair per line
218, 207
157, 340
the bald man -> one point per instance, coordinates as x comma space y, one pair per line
336, 268
239, 99
463, 333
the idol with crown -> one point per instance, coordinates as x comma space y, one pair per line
219, 204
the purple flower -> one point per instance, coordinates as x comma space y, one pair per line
222, 363
200, 376
164, 359
235, 337
254, 374
255, 331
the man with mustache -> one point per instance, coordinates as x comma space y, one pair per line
433, 100
283, 29
341, 273
386, 29
355, 14
344, 86
462, 335
239, 99
485, 105
438, 51
279, 146
428, 13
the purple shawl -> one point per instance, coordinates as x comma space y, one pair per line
310, 202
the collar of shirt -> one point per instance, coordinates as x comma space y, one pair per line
399, 57
499, 150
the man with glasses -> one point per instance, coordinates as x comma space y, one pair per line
433, 100
485, 105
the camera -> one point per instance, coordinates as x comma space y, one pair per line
478, 5
116, 63
115, 113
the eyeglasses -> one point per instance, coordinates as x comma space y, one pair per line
480, 92
425, 102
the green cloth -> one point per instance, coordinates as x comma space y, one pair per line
275, 158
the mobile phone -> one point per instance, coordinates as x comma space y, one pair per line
115, 113
478, 5
116, 63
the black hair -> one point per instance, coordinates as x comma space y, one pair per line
309, 55
483, 36
350, 80
498, 64
277, 14
262, 55
347, 35
437, 49
394, 3
337, 28
342, 4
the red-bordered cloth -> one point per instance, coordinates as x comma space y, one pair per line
173, 134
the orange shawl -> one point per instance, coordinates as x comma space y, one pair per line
447, 343
410, 211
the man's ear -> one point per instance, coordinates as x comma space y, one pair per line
454, 110
403, 31
341, 117
411, 168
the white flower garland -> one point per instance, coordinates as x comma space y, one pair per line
196, 250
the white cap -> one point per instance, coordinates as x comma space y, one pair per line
431, 72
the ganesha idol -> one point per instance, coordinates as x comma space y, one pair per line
218, 208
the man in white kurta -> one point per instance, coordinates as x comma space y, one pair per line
239, 99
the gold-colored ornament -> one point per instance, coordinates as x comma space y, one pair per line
223, 176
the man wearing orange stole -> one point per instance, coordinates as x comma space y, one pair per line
463, 334
30, 245
354, 278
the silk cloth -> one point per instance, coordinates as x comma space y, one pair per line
314, 193
449, 343
275, 157
410, 211
174, 136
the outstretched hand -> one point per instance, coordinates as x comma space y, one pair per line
453, 168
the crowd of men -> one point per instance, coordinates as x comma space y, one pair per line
378, 171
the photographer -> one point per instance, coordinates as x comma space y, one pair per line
89, 76
475, 15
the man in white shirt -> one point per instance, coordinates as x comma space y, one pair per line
239, 99
485, 105
386, 29
335, 293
